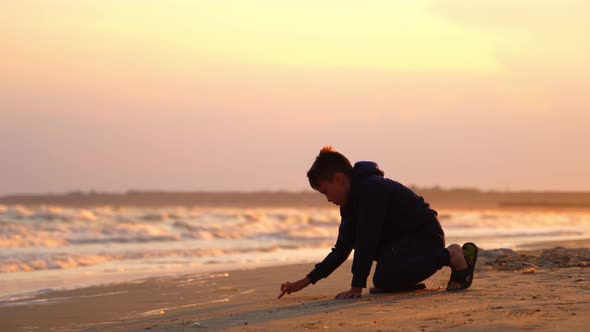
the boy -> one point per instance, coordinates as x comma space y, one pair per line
385, 221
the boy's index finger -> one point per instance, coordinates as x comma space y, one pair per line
282, 293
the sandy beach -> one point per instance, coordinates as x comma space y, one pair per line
545, 290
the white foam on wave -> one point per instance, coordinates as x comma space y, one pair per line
49, 226
65, 260
47, 212
490, 219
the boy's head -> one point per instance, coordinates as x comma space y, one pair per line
330, 175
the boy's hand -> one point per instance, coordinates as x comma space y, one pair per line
353, 293
292, 287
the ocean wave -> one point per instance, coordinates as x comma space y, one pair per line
62, 260
54, 237
513, 219
49, 226
44, 212
525, 233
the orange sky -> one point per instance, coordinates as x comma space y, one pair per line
221, 95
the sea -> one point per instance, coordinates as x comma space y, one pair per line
47, 248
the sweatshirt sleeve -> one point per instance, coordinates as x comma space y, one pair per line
339, 253
371, 212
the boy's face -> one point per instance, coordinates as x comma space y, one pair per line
336, 190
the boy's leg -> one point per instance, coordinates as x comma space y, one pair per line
460, 266
403, 267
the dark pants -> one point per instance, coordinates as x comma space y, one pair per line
403, 267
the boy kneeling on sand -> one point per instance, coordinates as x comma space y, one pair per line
385, 221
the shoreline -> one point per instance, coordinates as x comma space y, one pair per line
231, 299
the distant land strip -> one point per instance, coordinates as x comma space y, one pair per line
545, 204
437, 197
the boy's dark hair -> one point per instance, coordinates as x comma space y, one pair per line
326, 164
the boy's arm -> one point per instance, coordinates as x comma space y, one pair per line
334, 259
371, 216
339, 253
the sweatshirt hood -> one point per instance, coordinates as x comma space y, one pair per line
366, 168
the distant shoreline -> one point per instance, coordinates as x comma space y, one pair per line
438, 198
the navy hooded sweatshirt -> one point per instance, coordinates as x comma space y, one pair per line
380, 214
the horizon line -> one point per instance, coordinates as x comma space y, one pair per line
275, 191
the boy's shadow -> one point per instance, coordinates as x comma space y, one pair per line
310, 307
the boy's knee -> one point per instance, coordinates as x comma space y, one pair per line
384, 281
455, 249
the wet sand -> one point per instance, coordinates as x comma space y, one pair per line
546, 290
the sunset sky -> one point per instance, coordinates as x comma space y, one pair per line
115, 95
